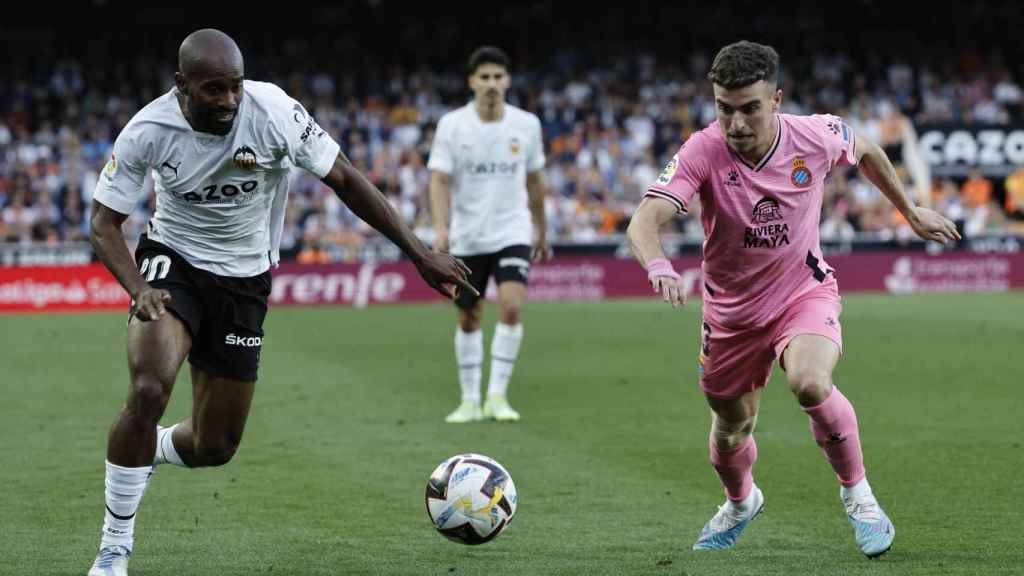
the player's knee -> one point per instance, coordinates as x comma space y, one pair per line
216, 452
469, 321
730, 434
147, 399
810, 385
510, 315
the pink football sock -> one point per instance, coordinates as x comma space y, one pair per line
834, 424
734, 467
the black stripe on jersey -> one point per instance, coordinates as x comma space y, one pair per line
775, 146
659, 194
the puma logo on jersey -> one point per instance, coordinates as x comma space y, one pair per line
172, 167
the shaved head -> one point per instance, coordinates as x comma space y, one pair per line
210, 80
209, 51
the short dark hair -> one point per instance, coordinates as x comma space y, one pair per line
487, 55
744, 63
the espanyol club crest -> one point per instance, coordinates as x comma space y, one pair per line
801, 176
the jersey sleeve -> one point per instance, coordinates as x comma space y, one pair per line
683, 175
307, 144
838, 139
120, 185
535, 161
442, 157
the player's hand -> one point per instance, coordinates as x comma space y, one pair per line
931, 225
445, 273
441, 241
150, 304
542, 250
670, 288
666, 281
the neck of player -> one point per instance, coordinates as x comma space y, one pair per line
490, 111
757, 154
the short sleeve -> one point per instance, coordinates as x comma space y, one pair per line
536, 159
683, 175
441, 157
120, 185
837, 136
307, 144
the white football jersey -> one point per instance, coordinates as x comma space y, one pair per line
220, 200
488, 163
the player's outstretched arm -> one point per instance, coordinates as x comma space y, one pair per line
108, 242
649, 217
875, 165
440, 207
440, 271
535, 191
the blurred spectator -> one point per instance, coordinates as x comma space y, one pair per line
609, 129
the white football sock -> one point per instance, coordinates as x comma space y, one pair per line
856, 492
125, 487
504, 350
743, 506
469, 355
165, 451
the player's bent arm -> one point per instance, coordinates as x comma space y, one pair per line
876, 167
440, 200
368, 203
109, 244
643, 228
536, 192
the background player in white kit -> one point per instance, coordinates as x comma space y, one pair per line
220, 149
486, 186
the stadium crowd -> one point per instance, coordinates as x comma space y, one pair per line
608, 130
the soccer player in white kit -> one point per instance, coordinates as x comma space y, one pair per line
219, 148
768, 292
487, 202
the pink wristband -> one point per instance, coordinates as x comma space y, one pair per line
660, 267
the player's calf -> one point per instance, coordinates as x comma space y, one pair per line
214, 452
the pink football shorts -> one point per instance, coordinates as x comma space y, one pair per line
734, 362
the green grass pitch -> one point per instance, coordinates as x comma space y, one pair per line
610, 458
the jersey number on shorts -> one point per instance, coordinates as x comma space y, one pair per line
158, 268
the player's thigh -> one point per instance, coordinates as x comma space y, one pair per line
808, 336
511, 295
480, 267
156, 349
810, 354
733, 363
220, 408
230, 340
739, 410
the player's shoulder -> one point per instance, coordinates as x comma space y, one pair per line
155, 126
705, 141
456, 116
814, 127
270, 99
519, 116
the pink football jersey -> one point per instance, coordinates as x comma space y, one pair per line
761, 245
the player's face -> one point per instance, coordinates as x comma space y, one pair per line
746, 114
489, 82
212, 98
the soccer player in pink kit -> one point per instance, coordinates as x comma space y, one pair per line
768, 292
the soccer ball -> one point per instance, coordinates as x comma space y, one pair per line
471, 498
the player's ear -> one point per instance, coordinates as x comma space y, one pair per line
179, 81
777, 100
